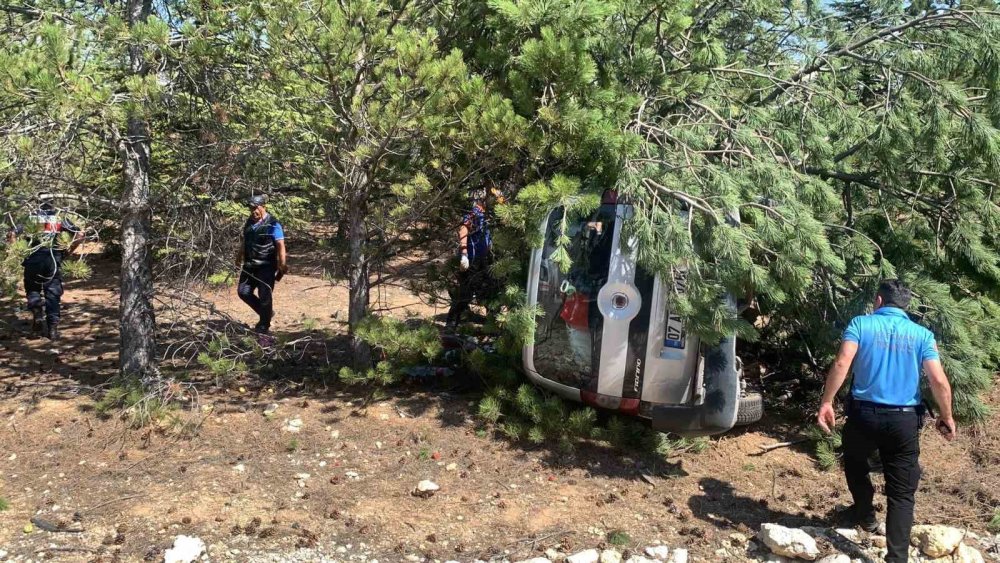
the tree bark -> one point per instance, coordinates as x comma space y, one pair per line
359, 282
137, 321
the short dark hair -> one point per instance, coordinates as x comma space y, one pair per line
894, 293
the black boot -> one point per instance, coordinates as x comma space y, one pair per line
53, 332
37, 321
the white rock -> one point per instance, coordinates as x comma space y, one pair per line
588, 556
936, 541
451, 467
302, 476
639, 559
611, 556
185, 550
352, 475
293, 425
835, 558
335, 434
790, 542
535, 560
679, 555
658, 552
967, 554
239, 468
426, 488
270, 409
554, 554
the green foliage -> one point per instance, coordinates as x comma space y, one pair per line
619, 538
76, 270
383, 374
293, 445
4, 505
221, 279
222, 359
826, 447
404, 343
137, 404
994, 524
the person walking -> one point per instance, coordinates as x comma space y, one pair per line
475, 243
50, 236
884, 409
262, 261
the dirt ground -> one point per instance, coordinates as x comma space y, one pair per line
249, 486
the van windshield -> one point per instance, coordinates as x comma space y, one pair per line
568, 336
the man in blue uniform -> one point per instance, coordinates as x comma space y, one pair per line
475, 246
263, 259
884, 412
50, 237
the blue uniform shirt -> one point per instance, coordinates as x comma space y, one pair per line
891, 352
480, 240
276, 230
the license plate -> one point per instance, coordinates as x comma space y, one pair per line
674, 335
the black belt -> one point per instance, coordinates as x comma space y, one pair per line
858, 404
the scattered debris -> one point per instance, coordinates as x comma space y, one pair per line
53, 526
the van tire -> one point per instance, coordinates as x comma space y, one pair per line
750, 410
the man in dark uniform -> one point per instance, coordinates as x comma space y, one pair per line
49, 238
263, 261
475, 246
887, 351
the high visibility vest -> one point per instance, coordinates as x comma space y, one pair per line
48, 227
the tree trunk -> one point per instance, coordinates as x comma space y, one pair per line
359, 282
137, 321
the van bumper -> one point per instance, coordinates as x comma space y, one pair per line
717, 413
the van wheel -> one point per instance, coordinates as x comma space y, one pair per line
750, 410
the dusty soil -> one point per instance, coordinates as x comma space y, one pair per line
247, 486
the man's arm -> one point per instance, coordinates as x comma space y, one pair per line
282, 256
941, 390
834, 381
463, 244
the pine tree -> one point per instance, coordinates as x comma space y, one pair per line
389, 129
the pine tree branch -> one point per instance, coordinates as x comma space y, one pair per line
844, 51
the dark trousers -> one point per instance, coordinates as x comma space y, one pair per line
261, 280
43, 287
896, 436
476, 282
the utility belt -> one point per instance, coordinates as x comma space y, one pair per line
857, 405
